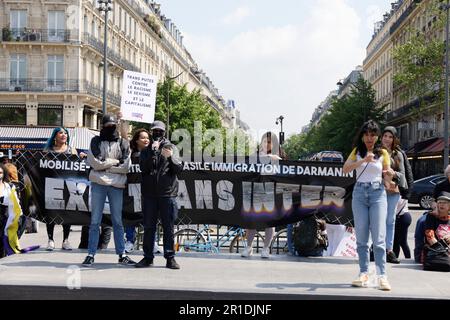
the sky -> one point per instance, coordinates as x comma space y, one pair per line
276, 57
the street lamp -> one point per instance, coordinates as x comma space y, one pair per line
169, 80
280, 120
106, 6
446, 7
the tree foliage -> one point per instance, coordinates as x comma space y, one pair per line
185, 108
340, 124
419, 61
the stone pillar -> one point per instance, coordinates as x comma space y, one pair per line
32, 114
69, 115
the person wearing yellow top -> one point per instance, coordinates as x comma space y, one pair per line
369, 202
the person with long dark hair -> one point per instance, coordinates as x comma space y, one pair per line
369, 202
391, 143
139, 141
269, 148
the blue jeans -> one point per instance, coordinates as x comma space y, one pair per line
98, 199
419, 237
369, 206
167, 210
392, 200
130, 234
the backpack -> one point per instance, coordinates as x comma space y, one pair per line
436, 257
309, 234
405, 193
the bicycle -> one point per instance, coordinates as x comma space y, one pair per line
279, 242
189, 239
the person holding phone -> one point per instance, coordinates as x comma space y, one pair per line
159, 168
369, 201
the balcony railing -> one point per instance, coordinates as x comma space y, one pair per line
39, 85
97, 91
112, 54
35, 35
404, 15
56, 85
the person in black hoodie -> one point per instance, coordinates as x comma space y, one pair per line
159, 167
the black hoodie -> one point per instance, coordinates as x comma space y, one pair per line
159, 175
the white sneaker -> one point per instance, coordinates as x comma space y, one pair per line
265, 253
384, 284
157, 249
51, 245
129, 247
362, 281
247, 252
66, 245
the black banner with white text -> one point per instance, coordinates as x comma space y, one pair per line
251, 195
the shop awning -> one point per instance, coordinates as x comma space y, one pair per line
35, 138
428, 148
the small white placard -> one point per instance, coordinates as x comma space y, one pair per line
138, 97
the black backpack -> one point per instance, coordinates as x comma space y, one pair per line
310, 234
437, 257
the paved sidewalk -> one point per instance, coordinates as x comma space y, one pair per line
203, 276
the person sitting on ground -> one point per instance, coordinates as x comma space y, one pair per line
419, 234
438, 228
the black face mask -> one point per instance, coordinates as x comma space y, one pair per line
108, 133
157, 135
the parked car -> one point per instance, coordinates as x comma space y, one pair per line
422, 190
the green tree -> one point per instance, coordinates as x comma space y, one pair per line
185, 108
298, 146
419, 62
339, 126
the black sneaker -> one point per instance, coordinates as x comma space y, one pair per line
88, 261
172, 264
392, 258
126, 261
144, 263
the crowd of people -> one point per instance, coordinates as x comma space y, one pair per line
379, 200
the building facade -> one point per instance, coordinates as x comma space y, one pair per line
417, 132
52, 59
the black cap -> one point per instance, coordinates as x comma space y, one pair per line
109, 119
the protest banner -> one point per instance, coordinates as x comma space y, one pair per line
250, 195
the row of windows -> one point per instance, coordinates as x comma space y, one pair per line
55, 19
18, 116
18, 67
47, 116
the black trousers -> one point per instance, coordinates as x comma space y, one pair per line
167, 210
3, 220
51, 230
105, 237
402, 224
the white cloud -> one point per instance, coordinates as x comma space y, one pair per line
287, 69
236, 16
